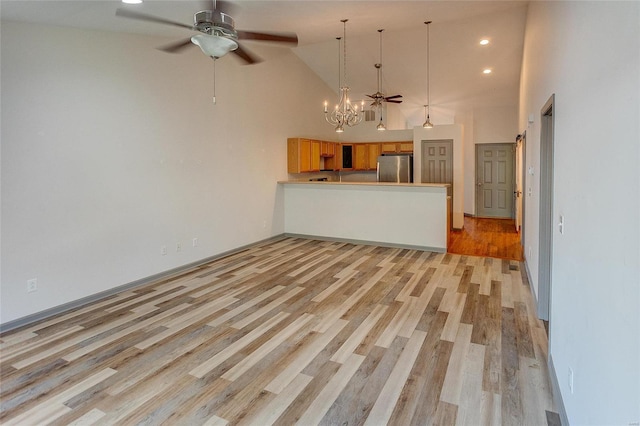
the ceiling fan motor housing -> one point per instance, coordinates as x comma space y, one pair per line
213, 22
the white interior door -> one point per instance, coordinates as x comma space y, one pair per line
437, 161
437, 166
494, 180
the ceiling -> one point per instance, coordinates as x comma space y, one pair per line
457, 83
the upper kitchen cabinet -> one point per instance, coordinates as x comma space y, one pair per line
327, 149
366, 156
303, 155
397, 147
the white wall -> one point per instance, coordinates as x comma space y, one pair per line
448, 131
111, 149
587, 54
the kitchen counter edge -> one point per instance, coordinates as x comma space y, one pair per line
396, 184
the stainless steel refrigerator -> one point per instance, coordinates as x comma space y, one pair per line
395, 168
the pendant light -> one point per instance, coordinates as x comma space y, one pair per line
427, 121
381, 127
344, 113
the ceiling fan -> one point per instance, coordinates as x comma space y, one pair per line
218, 35
379, 97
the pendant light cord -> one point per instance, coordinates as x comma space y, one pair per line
428, 54
344, 45
339, 63
380, 69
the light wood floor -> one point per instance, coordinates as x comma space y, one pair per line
487, 237
293, 331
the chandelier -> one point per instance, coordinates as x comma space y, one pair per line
345, 113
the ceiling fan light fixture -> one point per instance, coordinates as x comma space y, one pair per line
214, 45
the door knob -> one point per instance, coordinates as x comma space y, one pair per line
479, 183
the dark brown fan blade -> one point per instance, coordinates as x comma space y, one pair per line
393, 97
177, 46
246, 55
371, 96
290, 38
126, 13
394, 101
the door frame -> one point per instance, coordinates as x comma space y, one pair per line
545, 242
512, 146
521, 148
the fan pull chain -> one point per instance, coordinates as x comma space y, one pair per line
214, 80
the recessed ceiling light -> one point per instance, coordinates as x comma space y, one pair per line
132, 1
487, 71
484, 41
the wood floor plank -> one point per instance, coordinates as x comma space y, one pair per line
301, 359
293, 331
358, 336
271, 344
55, 406
321, 404
270, 413
454, 377
384, 405
221, 356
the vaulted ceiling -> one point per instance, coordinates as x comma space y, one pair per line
457, 59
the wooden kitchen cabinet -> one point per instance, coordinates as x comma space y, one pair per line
397, 147
303, 155
366, 156
374, 151
315, 156
360, 156
327, 149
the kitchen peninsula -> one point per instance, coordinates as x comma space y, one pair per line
413, 215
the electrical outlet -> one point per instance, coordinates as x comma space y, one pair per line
570, 380
179, 247
32, 285
194, 242
561, 225
163, 250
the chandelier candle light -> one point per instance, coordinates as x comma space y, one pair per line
344, 113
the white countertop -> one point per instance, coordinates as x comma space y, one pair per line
402, 184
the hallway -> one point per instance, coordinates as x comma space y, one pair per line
487, 237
